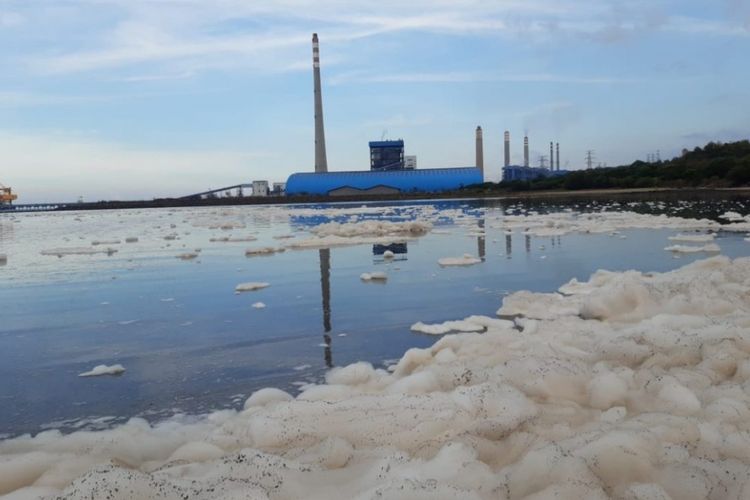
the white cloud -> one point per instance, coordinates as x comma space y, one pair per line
471, 77
192, 35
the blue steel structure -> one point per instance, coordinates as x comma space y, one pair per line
404, 181
387, 155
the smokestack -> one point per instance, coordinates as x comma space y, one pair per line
558, 156
321, 163
526, 151
480, 152
507, 148
551, 156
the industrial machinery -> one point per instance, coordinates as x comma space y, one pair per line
6, 195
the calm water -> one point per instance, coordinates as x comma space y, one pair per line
190, 344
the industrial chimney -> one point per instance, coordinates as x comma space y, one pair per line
551, 156
558, 156
480, 151
321, 163
526, 151
507, 148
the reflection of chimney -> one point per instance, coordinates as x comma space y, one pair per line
558, 156
321, 163
325, 284
480, 152
508, 246
551, 156
481, 244
526, 151
507, 148
324, 255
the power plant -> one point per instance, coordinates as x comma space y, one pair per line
527, 173
388, 173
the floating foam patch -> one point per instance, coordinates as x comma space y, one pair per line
250, 286
100, 370
466, 260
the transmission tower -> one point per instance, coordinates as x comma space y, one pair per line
589, 158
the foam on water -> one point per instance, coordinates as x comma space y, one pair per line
632, 386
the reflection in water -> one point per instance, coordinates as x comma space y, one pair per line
508, 246
396, 248
528, 244
481, 244
325, 283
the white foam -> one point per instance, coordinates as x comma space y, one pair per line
693, 238
250, 286
642, 394
466, 260
259, 305
100, 370
388, 254
61, 252
250, 252
374, 276
710, 248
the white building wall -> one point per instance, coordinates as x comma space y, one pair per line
260, 188
410, 162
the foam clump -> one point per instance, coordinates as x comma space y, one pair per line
693, 238
100, 370
388, 254
372, 228
250, 286
187, 256
259, 305
470, 324
709, 248
251, 252
633, 386
61, 252
374, 276
332, 234
465, 260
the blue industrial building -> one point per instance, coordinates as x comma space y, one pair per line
519, 173
387, 155
383, 182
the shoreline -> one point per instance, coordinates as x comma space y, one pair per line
459, 195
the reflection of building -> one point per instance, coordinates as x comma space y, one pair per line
397, 248
260, 188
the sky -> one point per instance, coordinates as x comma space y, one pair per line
135, 99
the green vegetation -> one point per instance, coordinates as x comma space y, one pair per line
715, 165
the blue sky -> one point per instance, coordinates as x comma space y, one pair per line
134, 99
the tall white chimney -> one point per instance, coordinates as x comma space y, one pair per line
321, 163
480, 151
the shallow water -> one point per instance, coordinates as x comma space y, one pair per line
190, 344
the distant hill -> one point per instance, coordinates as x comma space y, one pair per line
715, 165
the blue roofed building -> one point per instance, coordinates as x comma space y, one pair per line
432, 180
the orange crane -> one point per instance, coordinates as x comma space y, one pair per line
6, 195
